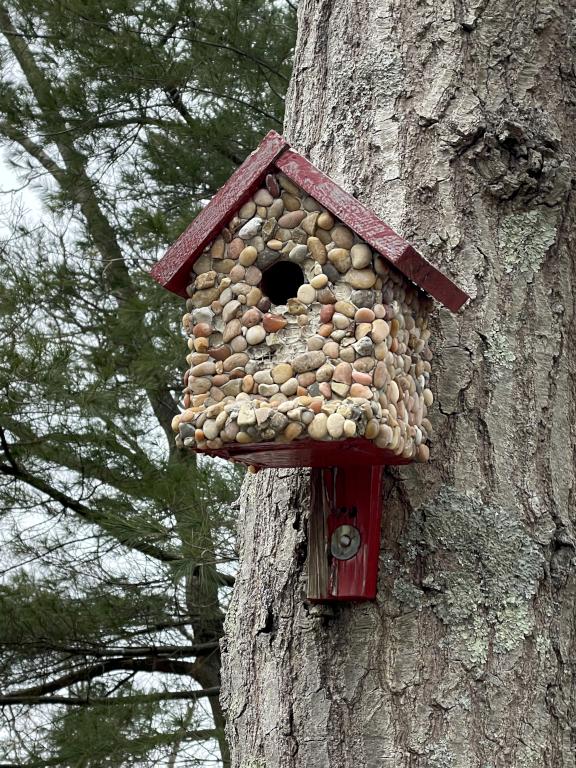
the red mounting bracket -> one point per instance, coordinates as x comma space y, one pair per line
344, 533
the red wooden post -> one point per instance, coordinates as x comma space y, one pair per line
344, 533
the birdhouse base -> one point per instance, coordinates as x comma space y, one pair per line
354, 452
344, 533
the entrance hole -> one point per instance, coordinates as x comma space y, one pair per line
281, 281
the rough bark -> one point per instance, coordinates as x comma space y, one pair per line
456, 123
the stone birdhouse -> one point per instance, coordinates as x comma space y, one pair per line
307, 323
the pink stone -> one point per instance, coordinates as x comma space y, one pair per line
325, 390
358, 390
219, 353
331, 349
202, 329
364, 315
361, 378
251, 317
292, 219
235, 248
343, 373
326, 313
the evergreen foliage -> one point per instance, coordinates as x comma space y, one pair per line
118, 550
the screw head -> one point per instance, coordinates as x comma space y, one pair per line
345, 542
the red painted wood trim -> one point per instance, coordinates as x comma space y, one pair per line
309, 453
353, 498
173, 270
372, 229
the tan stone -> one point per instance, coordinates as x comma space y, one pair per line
325, 220
317, 249
282, 373
342, 236
360, 278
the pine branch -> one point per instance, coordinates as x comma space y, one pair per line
17, 471
154, 651
164, 666
113, 701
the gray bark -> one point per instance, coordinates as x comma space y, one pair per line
456, 123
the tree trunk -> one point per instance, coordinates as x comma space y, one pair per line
456, 122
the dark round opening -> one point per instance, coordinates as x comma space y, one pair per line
281, 281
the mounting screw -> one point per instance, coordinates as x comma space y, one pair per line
345, 542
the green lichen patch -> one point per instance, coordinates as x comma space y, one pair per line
524, 239
499, 352
483, 569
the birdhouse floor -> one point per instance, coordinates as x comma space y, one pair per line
309, 453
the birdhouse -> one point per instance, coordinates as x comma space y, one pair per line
307, 323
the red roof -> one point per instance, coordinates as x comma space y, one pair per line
273, 154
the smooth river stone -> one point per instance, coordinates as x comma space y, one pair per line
335, 425
237, 360
238, 344
325, 220
361, 255
273, 323
291, 219
256, 334
230, 311
362, 378
253, 296
203, 369
253, 276
251, 317
325, 296
205, 298
318, 427
359, 278
232, 329
364, 315
343, 373
308, 361
315, 343
324, 373
319, 281
340, 258
326, 313
235, 248
380, 331
250, 229
340, 321
362, 329
317, 250
342, 236
248, 256
263, 197
392, 392
298, 254
309, 223
331, 349
306, 294
248, 210
359, 390
267, 390
281, 373
237, 273
220, 353
364, 298
428, 397
291, 202
380, 375
290, 387
345, 308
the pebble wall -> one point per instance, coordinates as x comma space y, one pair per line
345, 356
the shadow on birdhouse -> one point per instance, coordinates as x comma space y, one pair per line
307, 319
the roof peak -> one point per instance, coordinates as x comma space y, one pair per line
275, 154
